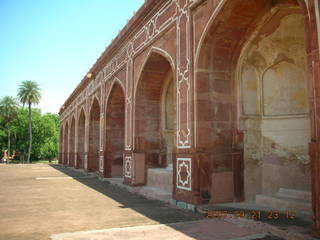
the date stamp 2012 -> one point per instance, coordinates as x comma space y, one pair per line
252, 214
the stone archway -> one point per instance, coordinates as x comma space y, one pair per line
155, 120
66, 142
94, 137
115, 120
72, 142
229, 101
81, 140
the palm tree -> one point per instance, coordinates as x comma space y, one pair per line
8, 111
29, 93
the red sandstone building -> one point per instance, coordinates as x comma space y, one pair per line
213, 100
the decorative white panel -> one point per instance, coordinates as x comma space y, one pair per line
127, 167
184, 173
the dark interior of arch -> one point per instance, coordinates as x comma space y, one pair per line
94, 137
81, 140
61, 145
115, 120
72, 142
65, 148
148, 137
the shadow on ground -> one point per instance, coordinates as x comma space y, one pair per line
153, 209
167, 214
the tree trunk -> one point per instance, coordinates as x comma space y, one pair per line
30, 134
9, 141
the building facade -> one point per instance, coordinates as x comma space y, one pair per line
223, 95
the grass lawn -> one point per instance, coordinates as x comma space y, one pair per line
55, 161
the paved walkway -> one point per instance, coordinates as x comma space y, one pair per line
37, 201
41, 202
200, 230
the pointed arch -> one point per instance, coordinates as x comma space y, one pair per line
153, 52
150, 137
94, 136
114, 131
218, 124
61, 136
81, 139
72, 141
95, 100
66, 143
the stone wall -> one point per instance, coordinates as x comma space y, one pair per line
245, 85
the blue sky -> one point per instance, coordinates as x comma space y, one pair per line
55, 42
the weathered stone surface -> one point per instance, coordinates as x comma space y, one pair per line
243, 98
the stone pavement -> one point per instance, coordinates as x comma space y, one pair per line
37, 201
212, 229
41, 202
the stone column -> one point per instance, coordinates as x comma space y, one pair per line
185, 162
86, 136
314, 66
101, 145
102, 130
61, 144
68, 143
76, 140
128, 151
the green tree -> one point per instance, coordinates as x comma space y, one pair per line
49, 126
20, 127
45, 132
29, 93
8, 111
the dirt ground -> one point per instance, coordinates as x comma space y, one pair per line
37, 201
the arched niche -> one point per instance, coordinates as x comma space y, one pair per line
276, 136
155, 111
229, 93
81, 139
66, 143
114, 132
94, 137
72, 142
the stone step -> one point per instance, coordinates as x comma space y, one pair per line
160, 178
296, 194
155, 193
279, 202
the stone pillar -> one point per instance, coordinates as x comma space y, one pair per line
314, 67
102, 130
75, 158
128, 156
101, 145
185, 159
68, 142
86, 136
60, 144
